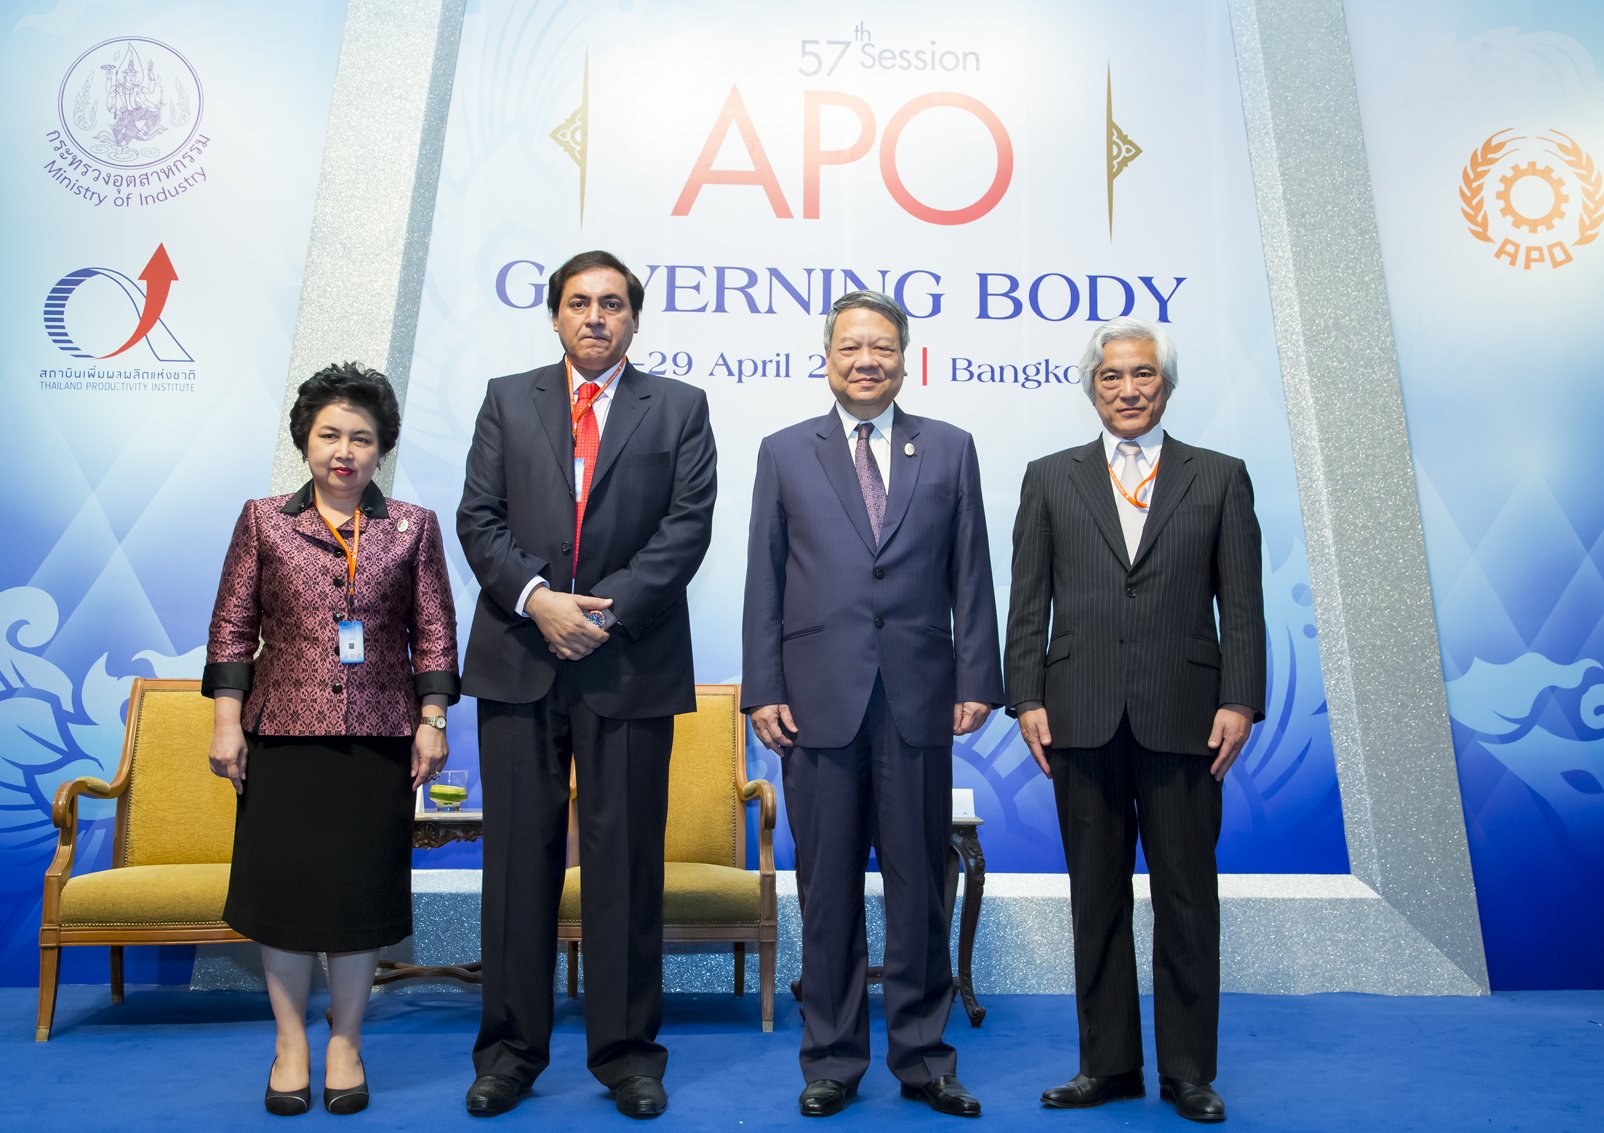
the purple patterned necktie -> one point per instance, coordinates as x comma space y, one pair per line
873, 488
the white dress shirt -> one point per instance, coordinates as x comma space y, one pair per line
1131, 519
602, 402
879, 439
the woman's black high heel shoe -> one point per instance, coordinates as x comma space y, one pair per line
287, 1103
354, 1100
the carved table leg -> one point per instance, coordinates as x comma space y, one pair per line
965, 847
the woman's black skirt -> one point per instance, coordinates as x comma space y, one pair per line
323, 843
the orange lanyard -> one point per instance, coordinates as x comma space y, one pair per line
1130, 499
350, 550
573, 405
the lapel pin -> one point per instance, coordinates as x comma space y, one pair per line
400, 525
907, 449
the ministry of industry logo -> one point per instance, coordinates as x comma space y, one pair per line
1536, 199
130, 102
130, 113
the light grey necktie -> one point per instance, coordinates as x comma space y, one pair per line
1130, 473
1130, 478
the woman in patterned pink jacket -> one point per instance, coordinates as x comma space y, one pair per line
332, 658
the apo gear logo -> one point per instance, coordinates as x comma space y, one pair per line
1542, 205
1556, 189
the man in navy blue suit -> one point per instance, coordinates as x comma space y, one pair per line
870, 640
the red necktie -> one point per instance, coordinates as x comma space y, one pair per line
587, 439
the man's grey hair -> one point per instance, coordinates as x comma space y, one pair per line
1128, 328
876, 301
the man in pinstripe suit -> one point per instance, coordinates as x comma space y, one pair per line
1135, 701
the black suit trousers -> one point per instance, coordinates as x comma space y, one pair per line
882, 791
1106, 797
621, 774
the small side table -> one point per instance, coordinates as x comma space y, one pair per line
963, 853
430, 830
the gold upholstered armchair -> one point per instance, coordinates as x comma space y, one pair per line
708, 893
173, 840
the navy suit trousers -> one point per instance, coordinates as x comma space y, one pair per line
882, 792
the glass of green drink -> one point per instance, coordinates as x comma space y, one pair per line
450, 791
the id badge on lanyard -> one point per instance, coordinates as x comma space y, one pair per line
351, 651
351, 648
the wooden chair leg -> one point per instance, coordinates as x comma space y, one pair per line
573, 968
765, 967
49, 974
116, 973
740, 968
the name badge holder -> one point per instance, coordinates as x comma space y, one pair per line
351, 648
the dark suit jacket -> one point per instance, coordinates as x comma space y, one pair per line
826, 608
647, 525
1140, 637
275, 623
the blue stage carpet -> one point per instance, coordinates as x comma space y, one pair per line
170, 1059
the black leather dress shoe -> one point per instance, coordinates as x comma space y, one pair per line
1083, 1091
640, 1096
286, 1103
354, 1100
945, 1095
491, 1094
823, 1097
1192, 1101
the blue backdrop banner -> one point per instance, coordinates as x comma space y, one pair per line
1011, 181
157, 203
1485, 136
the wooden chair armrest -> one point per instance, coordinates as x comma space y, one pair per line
64, 813
64, 810
763, 791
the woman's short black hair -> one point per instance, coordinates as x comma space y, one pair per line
347, 383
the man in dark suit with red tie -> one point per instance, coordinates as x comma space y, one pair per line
587, 509
870, 640
1136, 701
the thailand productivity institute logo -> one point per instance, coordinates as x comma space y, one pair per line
146, 305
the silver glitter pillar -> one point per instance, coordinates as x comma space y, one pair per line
375, 202
1378, 633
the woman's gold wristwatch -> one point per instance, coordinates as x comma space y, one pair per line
435, 721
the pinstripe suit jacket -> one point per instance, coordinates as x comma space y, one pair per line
1093, 635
